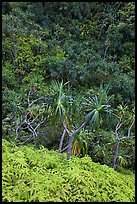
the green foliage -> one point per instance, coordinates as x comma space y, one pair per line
8, 77
97, 105
80, 144
72, 10
85, 44
25, 53
102, 146
124, 87
60, 99
40, 175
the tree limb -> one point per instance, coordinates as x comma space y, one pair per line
64, 148
61, 141
80, 127
65, 127
129, 129
40, 98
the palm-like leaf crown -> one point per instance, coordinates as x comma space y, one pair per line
97, 105
60, 99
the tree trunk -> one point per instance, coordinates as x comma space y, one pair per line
61, 141
71, 135
69, 147
115, 155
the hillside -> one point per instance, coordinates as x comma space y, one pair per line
68, 101
40, 175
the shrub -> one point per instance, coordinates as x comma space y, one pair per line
40, 175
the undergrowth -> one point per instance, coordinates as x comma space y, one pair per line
40, 175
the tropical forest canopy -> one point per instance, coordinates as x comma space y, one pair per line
68, 78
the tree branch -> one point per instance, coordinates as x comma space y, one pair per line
115, 155
118, 126
64, 149
40, 123
80, 127
129, 129
126, 137
40, 98
61, 141
65, 127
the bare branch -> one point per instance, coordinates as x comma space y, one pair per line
129, 129
23, 128
81, 126
61, 141
105, 50
40, 98
118, 126
64, 149
40, 123
30, 122
32, 130
129, 155
65, 127
115, 155
27, 139
19, 128
29, 97
126, 137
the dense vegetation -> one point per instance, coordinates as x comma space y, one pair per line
68, 82
38, 175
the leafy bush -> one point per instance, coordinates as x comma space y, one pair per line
40, 175
124, 88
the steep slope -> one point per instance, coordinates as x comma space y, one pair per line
31, 175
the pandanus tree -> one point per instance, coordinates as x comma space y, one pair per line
96, 106
60, 104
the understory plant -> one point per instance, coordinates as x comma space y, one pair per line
40, 175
